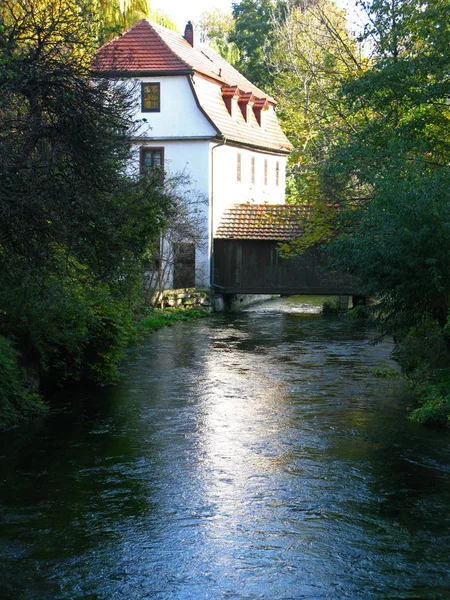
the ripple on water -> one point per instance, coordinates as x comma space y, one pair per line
251, 456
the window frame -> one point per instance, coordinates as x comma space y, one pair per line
266, 170
253, 170
142, 150
239, 167
157, 85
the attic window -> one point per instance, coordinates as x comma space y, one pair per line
228, 93
258, 105
243, 101
151, 97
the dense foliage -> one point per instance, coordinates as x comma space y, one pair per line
115, 16
74, 226
396, 232
369, 116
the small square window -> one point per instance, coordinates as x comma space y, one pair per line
151, 159
151, 97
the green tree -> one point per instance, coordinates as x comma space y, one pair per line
215, 28
312, 54
396, 231
254, 35
116, 16
74, 226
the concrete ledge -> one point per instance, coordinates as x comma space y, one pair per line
234, 302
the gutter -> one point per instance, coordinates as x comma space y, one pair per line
117, 73
211, 262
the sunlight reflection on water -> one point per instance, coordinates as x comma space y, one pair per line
290, 304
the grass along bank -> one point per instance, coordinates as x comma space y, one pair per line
157, 318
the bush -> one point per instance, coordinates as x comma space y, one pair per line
435, 407
72, 329
425, 360
16, 401
422, 352
331, 306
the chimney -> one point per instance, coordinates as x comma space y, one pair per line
189, 34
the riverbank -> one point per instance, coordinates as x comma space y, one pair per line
158, 318
20, 400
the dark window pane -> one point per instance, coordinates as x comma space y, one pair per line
151, 158
151, 97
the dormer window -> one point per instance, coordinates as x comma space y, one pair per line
150, 97
259, 105
243, 101
228, 94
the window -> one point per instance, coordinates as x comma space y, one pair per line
253, 169
150, 97
265, 171
151, 159
239, 167
277, 174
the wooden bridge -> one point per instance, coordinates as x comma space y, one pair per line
246, 259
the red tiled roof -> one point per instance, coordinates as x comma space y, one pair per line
150, 48
262, 222
140, 48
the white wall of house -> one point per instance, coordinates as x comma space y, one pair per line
179, 115
188, 162
257, 185
210, 168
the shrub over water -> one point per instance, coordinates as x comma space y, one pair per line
16, 401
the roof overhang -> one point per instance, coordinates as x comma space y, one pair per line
126, 74
266, 149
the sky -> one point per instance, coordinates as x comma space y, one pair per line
182, 11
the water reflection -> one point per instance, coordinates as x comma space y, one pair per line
254, 456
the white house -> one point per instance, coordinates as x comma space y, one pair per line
203, 119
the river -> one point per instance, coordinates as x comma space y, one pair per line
255, 456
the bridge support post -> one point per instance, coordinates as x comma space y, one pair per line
343, 302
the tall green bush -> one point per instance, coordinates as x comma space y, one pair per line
76, 220
16, 401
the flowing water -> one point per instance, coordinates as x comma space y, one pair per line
261, 455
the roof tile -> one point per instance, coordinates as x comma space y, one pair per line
263, 222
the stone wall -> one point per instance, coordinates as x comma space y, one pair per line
186, 298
